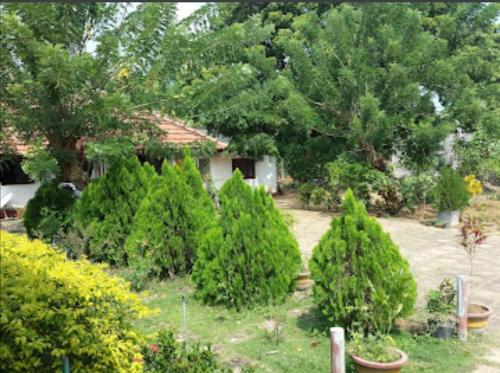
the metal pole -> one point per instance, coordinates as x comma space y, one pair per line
462, 305
337, 349
65, 366
184, 318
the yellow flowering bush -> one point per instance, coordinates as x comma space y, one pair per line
474, 186
52, 307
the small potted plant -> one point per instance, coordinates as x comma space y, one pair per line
441, 306
471, 237
376, 353
450, 197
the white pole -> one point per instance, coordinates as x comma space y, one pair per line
337, 347
462, 305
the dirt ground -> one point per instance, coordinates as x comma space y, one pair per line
433, 253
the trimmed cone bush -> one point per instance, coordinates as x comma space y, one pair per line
204, 205
361, 279
53, 307
106, 209
167, 228
450, 192
48, 211
252, 257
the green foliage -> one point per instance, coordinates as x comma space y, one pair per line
391, 201
53, 89
361, 279
481, 155
450, 192
416, 189
252, 257
305, 192
167, 355
441, 301
40, 165
319, 196
170, 224
358, 177
48, 211
316, 81
376, 348
52, 307
105, 211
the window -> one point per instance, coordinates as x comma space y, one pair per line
246, 167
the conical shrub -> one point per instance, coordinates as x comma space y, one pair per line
361, 279
251, 257
107, 207
48, 211
204, 208
167, 228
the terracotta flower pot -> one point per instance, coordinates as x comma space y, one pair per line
365, 366
478, 315
303, 281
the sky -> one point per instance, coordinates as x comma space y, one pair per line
186, 9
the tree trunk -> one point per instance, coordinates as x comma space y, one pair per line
70, 159
375, 159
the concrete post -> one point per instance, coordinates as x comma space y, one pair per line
337, 347
462, 305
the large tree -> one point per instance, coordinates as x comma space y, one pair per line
68, 73
310, 82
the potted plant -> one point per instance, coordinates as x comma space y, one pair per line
376, 353
441, 306
471, 236
450, 196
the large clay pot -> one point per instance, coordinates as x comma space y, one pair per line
303, 281
448, 218
365, 366
478, 315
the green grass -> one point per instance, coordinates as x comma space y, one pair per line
239, 337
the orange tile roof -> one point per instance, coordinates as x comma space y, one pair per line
176, 132
179, 133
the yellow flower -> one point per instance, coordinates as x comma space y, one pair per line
123, 73
474, 186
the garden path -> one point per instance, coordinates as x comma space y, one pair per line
433, 253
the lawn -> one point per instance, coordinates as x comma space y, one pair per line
240, 338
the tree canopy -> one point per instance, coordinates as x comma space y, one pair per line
306, 82
310, 82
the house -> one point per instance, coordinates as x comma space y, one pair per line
16, 189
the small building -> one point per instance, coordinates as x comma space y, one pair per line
16, 189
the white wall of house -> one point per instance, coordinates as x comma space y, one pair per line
17, 195
221, 169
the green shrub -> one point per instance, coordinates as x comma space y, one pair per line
203, 203
168, 227
48, 211
252, 257
390, 202
305, 193
361, 279
319, 196
415, 189
105, 211
167, 355
53, 307
450, 192
360, 178
441, 301
377, 348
